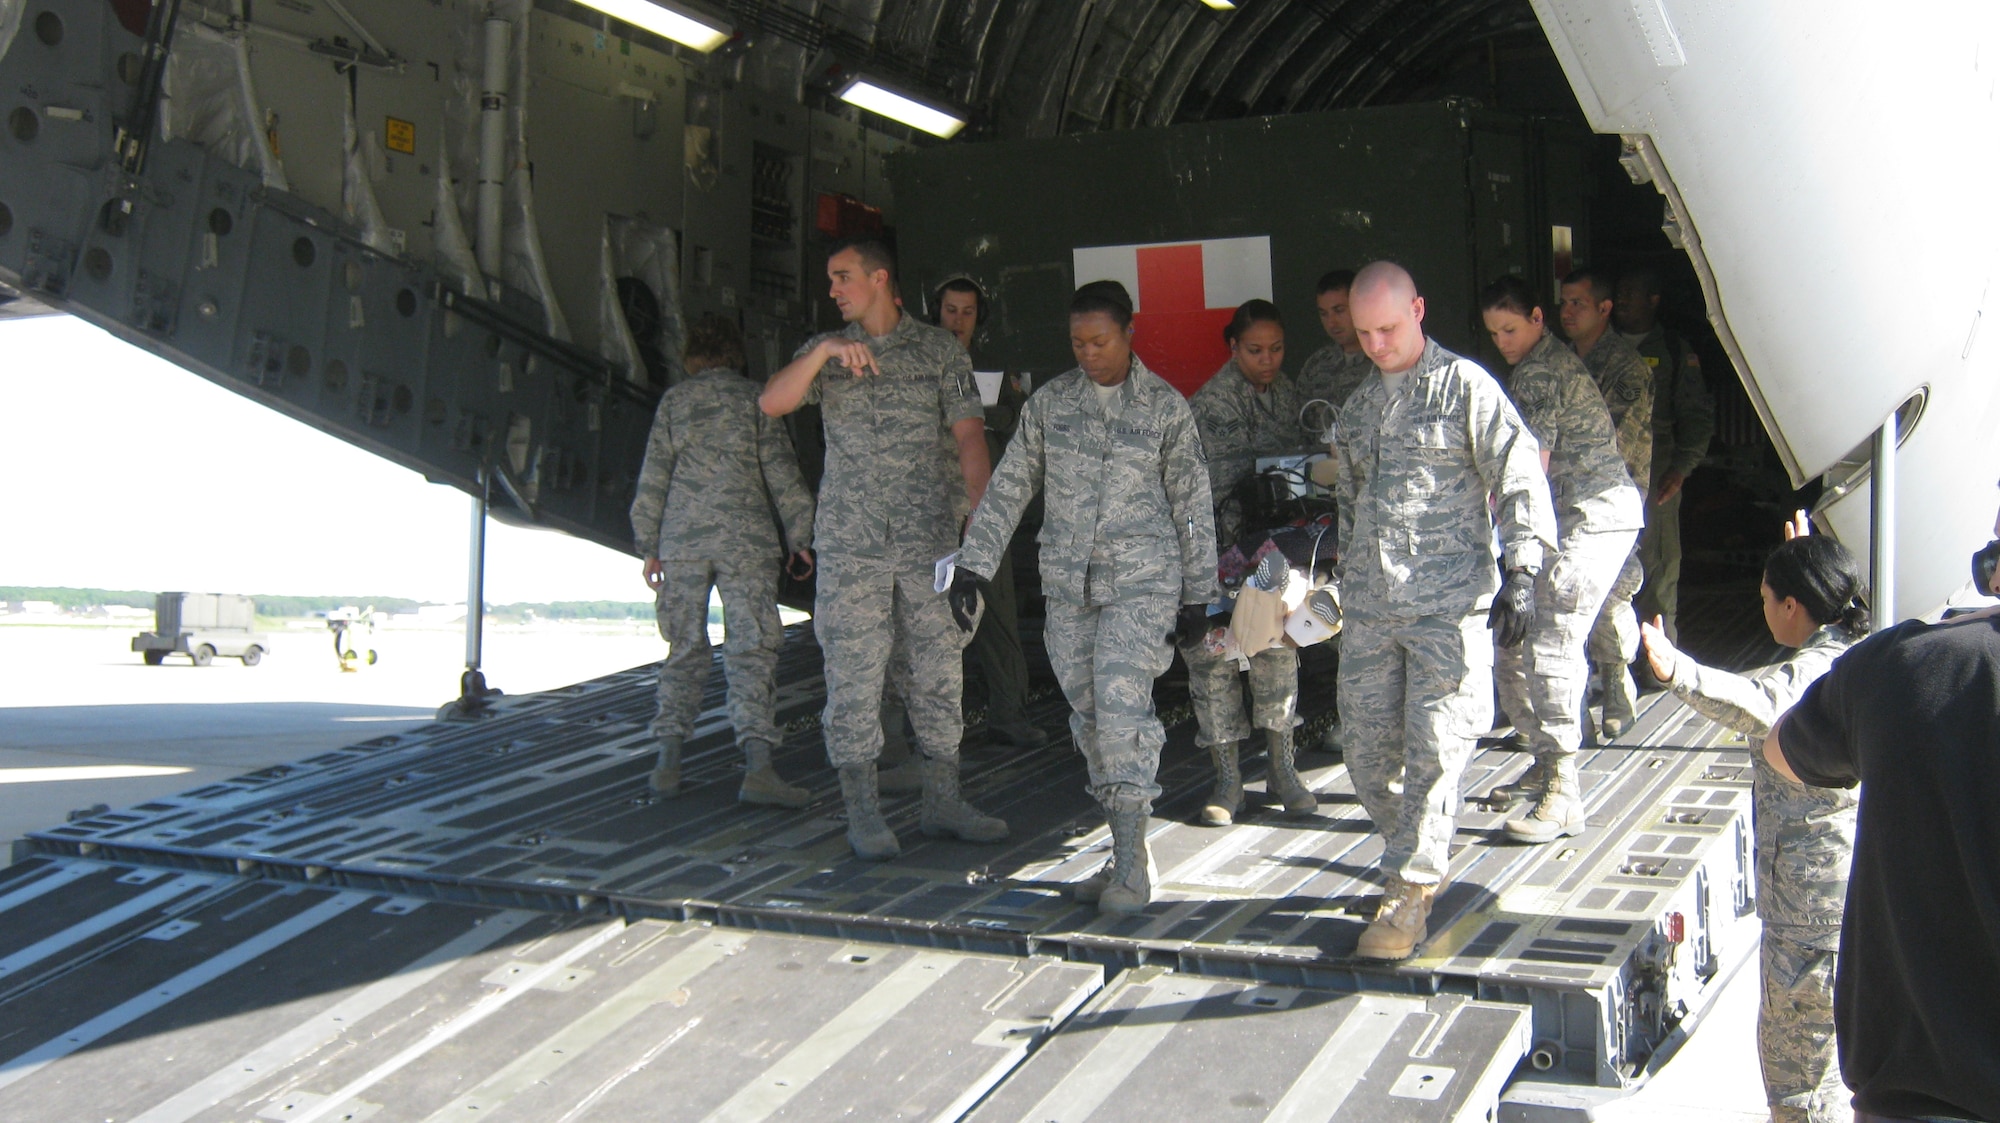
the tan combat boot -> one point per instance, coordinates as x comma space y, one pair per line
1284, 780
1129, 886
762, 786
1399, 924
1558, 811
946, 814
666, 777
1225, 802
1091, 888
867, 832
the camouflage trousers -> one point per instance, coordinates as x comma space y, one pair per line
751, 638
1216, 688
1106, 658
865, 611
1415, 691
1795, 1042
996, 646
1615, 636
1542, 682
1660, 559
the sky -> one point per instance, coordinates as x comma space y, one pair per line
124, 471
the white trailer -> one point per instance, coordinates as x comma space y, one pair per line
202, 626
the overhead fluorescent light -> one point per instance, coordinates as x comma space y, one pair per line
683, 25
1221, 5
900, 107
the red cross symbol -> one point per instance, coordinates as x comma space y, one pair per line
1185, 293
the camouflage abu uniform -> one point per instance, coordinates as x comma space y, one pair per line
1683, 424
1126, 539
1597, 520
1418, 569
714, 468
1805, 841
1628, 390
886, 514
1627, 386
1333, 375
1238, 423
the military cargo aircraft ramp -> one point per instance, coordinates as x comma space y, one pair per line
498, 920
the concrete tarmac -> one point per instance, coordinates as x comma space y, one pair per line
83, 721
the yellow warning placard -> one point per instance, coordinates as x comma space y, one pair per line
399, 135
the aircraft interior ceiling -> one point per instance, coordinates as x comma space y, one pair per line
467, 234
1033, 68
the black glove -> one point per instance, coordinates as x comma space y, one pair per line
1513, 611
964, 599
1190, 625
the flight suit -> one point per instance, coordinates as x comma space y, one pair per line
1127, 538
882, 527
1332, 375
1627, 387
1683, 425
1238, 424
1542, 681
715, 467
1418, 571
1805, 843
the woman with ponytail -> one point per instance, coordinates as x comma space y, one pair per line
1805, 836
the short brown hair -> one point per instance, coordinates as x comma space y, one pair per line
875, 253
713, 341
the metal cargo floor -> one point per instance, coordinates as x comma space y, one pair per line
139, 994
544, 807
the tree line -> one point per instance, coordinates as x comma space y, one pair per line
280, 607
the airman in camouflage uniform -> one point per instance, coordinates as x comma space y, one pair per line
1542, 682
1126, 540
1627, 386
1805, 842
1240, 422
1683, 425
887, 386
1422, 448
1332, 374
714, 469
1621, 376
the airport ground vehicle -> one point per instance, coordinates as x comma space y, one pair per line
203, 626
463, 235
